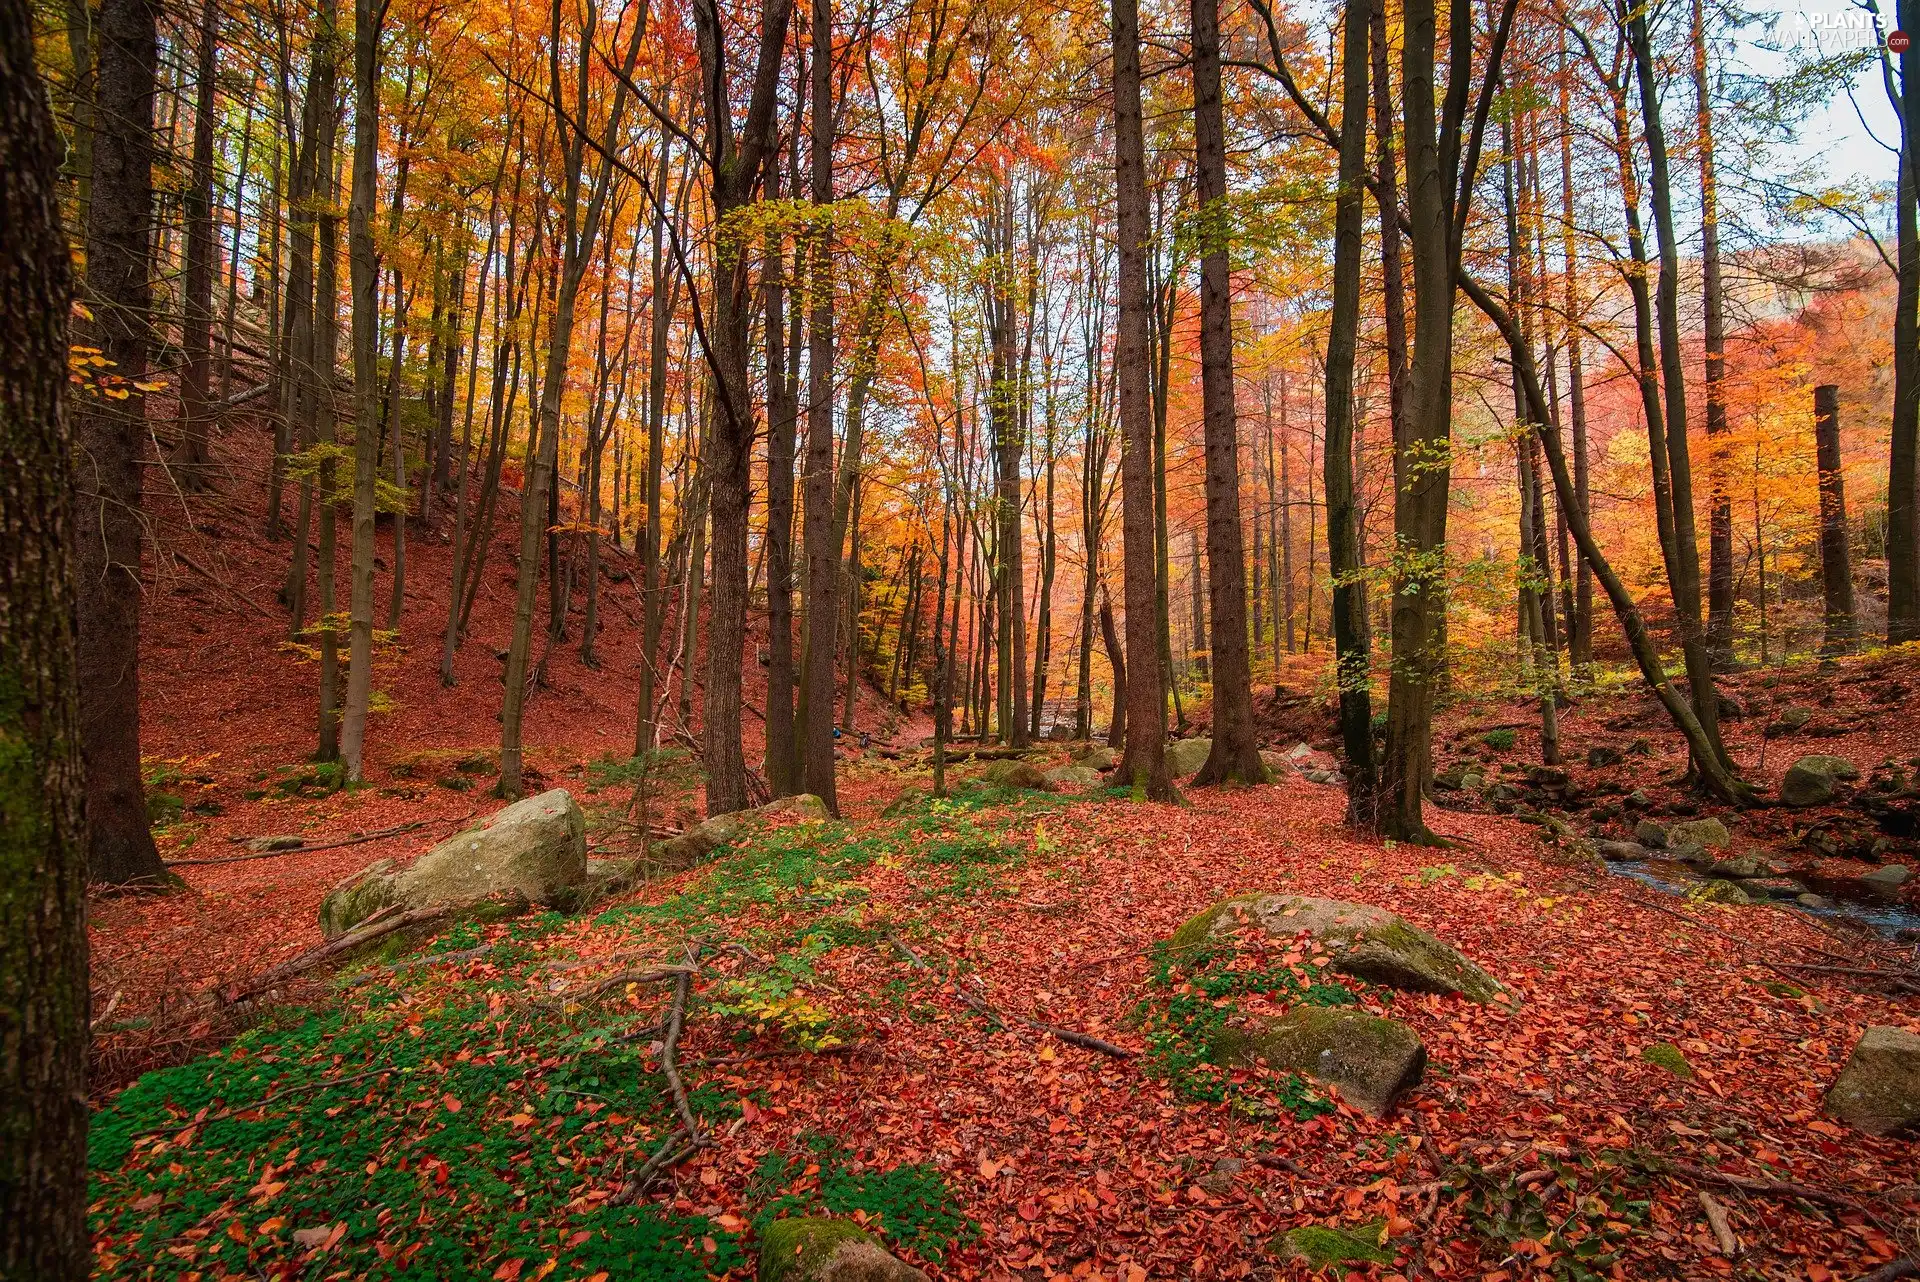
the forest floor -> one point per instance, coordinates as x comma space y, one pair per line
477, 1116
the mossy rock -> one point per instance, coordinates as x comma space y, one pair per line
1185, 756
909, 800
1718, 891
1098, 757
1321, 1246
1366, 942
1710, 833
818, 1249
357, 898
1878, 1091
1372, 1060
1016, 774
1815, 779
695, 844
1073, 778
1666, 1055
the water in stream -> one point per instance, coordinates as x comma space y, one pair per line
1889, 920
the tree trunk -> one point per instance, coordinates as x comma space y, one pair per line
1117, 659
815, 716
1145, 764
1836, 567
189, 459
1903, 454
1714, 337
782, 424
364, 269
1353, 661
111, 443
1580, 642
43, 790
735, 162
326, 344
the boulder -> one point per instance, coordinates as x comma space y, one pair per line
1732, 707
1649, 833
1098, 758
1811, 900
1788, 722
1744, 866
1720, 891
1371, 1060
818, 1249
1885, 881
1602, 755
1073, 778
1814, 779
1774, 887
702, 840
536, 848
1616, 852
1276, 764
1366, 942
1015, 774
1323, 776
1710, 833
1184, 756
1321, 1246
1878, 1091
905, 802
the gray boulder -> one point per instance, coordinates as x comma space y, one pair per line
1649, 833
1744, 866
1371, 1060
1710, 833
702, 840
1815, 779
1184, 756
1886, 879
817, 1249
1789, 721
1366, 942
1616, 852
1602, 755
1098, 757
1073, 778
1276, 764
536, 848
1878, 1091
1015, 774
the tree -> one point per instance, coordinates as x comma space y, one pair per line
43, 854
363, 264
1235, 755
1353, 662
1836, 567
1903, 455
110, 433
734, 159
189, 458
822, 548
1145, 760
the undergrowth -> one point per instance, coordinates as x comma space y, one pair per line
1575, 1224
908, 1204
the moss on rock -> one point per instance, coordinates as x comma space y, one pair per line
1321, 1246
1666, 1055
1372, 1060
1016, 774
818, 1249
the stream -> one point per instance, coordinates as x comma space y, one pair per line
1889, 920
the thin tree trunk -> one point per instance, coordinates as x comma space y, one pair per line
43, 790
326, 343
1714, 337
1117, 659
782, 423
189, 460
815, 716
1836, 567
364, 270
1903, 453
1580, 645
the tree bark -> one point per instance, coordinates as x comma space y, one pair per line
1144, 765
1353, 660
43, 854
1836, 566
782, 425
815, 716
364, 270
1714, 338
110, 434
1903, 454
189, 459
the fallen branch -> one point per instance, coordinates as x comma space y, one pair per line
672, 1152
304, 849
1762, 1188
1717, 1221
1909, 980
981, 1006
1907, 1268
381, 924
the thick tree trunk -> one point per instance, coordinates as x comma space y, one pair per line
1354, 663
43, 855
111, 440
735, 162
326, 342
1836, 565
1145, 764
1580, 640
1235, 755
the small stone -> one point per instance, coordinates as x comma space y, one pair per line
1719, 892
1742, 866
1886, 879
1878, 1091
1637, 800
1098, 757
1811, 900
1073, 778
1602, 755
1618, 852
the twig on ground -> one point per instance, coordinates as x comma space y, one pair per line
672, 1151
981, 1006
381, 924
1717, 1221
1762, 1188
1907, 1268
